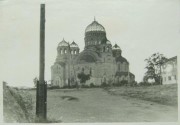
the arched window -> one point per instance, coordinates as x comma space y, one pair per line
65, 51
119, 67
104, 49
108, 49
95, 42
75, 52
90, 72
126, 68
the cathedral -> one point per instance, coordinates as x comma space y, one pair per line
100, 59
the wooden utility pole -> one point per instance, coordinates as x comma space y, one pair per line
41, 92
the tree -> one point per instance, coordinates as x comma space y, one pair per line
35, 80
153, 66
83, 77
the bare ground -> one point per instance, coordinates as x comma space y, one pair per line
97, 105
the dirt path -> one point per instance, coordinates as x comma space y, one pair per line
96, 105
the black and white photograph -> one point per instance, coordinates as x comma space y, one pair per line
89, 61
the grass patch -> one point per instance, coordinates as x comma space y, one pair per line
17, 105
163, 94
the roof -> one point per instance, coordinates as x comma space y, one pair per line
73, 44
172, 58
63, 43
121, 59
60, 63
108, 42
95, 26
116, 47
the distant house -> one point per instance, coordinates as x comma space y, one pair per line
169, 71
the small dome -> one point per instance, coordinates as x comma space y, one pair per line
121, 59
116, 47
108, 42
95, 26
63, 43
73, 44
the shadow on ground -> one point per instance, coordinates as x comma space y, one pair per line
69, 98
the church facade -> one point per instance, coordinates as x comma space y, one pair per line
100, 59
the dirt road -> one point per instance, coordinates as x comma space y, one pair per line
96, 105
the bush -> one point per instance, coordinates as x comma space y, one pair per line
144, 84
124, 82
104, 84
65, 87
148, 84
92, 85
73, 86
85, 86
116, 84
121, 83
156, 83
134, 83
54, 87
83, 77
110, 82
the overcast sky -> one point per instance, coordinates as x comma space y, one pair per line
139, 27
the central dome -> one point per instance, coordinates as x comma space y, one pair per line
95, 26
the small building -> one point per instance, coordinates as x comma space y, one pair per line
169, 71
